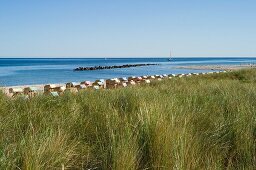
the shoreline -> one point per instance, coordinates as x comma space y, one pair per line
10, 91
5, 89
217, 67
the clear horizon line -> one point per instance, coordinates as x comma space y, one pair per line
127, 57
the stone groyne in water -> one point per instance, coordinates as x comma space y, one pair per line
111, 67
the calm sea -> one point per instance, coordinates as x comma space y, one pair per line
17, 71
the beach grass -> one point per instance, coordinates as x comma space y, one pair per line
198, 122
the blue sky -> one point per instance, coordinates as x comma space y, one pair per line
127, 28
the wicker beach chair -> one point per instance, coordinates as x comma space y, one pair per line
72, 85
32, 91
172, 75
101, 83
180, 75
113, 83
147, 81
124, 84
116, 80
15, 91
131, 78
87, 83
152, 77
61, 89
110, 84
158, 77
49, 87
54, 88
81, 87
132, 83
145, 77
123, 80
138, 79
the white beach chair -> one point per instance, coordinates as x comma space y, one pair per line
152, 77
133, 83
54, 94
145, 77
147, 81
96, 87
170, 76
181, 75
165, 76
124, 84
123, 79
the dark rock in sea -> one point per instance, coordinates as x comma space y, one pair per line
111, 67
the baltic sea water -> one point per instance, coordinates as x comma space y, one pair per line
28, 71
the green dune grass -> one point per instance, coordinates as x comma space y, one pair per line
199, 122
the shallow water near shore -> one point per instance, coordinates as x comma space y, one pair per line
24, 71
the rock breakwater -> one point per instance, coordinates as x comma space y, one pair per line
111, 67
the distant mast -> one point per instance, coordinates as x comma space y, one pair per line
170, 59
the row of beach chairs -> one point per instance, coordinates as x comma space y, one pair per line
74, 87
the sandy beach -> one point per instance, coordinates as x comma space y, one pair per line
38, 86
193, 67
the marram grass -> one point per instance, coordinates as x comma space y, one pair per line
199, 122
